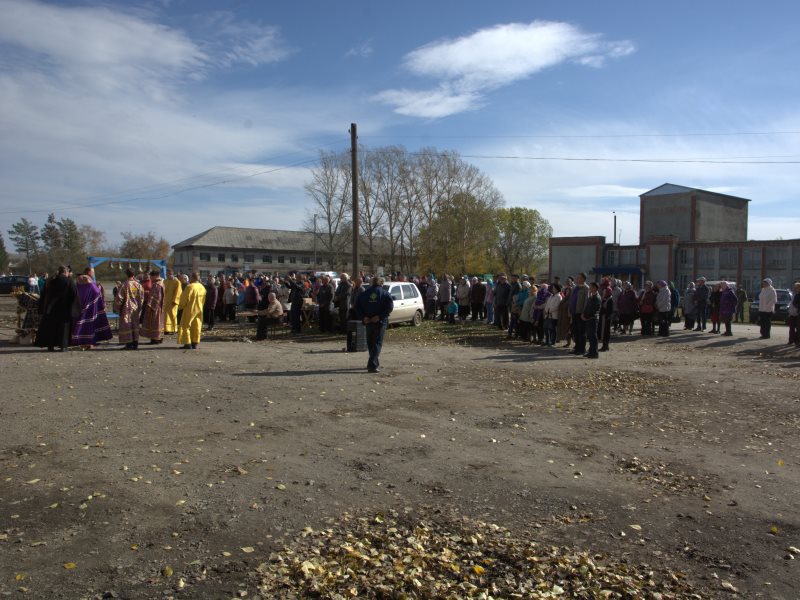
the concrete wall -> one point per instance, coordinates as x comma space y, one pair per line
720, 219
571, 260
670, 214
659, 264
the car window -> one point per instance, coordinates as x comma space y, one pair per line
408, 292
784, 296
394, 291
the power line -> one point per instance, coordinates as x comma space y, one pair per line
587, 136
166, 194
753, 160
105, 199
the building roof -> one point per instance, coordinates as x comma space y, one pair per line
246, 238
671, 188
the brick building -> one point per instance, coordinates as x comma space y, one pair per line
241, 249
683, 233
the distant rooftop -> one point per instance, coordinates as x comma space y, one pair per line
246, 238
671, 188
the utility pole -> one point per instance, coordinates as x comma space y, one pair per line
615, 227
354, 180
315, 243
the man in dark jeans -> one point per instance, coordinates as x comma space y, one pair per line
577, 304
502, 299
296, 294
373, 307
589, 316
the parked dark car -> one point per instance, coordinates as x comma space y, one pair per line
7, 284
781, 307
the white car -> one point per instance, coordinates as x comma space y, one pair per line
409, 305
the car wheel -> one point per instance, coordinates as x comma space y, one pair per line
417, 320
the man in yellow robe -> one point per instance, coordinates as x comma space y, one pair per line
191, 304
172, 296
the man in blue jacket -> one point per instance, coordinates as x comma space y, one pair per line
373, 307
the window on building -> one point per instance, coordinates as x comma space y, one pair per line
204, 273
751, 258
706, 258
205, 256
267, 258
234, 258
612, 256
221, 257
249, 258
776, 257
281, 259
292, 260
686, 257
728, 258
306, 260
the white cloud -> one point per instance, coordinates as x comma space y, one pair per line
361, 51
493, 57
430, 104
231, 41
602, 191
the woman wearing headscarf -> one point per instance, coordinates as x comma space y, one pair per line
727, 306
626, 307
538, 313
713, 301
564, 326
664, 307
689, 308
647, 308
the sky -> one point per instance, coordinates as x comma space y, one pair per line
176, 116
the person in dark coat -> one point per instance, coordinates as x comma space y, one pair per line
701, 295
502, 300
325, 301
477, 293
59, 307
373, 307
591, 311
728, 303
341, 300
606, 312
210, 306
297, 293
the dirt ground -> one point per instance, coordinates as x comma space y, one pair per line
170, 473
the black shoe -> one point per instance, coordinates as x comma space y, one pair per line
593, 355
727, 333
194, 346
373, 370
154, 342
186, 347
604, 349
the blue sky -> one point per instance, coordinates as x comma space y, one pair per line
147, 116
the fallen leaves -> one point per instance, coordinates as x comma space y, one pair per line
395, 556
70, 565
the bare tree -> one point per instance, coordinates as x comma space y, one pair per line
370, 213
330, 191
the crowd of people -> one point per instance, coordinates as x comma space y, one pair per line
580, 314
